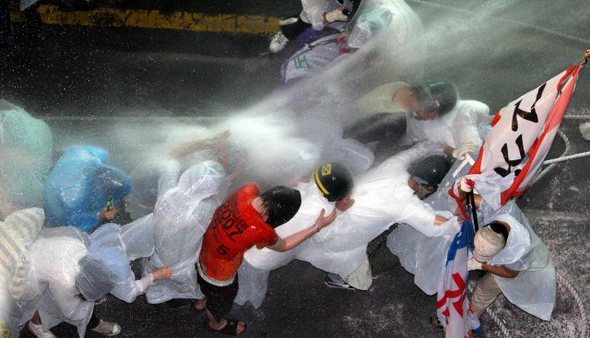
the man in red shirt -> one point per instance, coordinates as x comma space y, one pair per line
244, 220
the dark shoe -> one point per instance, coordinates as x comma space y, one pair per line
230, 329
436, 323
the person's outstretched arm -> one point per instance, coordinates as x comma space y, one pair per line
291, 241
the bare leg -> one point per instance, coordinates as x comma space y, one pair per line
219, 325
200, 304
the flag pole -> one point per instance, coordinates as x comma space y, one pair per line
471, 204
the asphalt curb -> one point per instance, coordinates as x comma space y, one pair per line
156, 19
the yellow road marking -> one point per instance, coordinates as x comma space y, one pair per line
141, 18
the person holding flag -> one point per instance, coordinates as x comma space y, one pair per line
507, 248
519, 266
517, 263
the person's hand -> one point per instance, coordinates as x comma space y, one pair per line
465, 148
108, 215
440, 220
451, 226
322, 222
473, 264
162, 273
345, 204
339, 14
466, 184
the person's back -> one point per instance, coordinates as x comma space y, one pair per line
533, 288
66, 282
235, 227
181, 217
80, 186
245, 219
468, 121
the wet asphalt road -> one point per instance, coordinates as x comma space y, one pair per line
61, 76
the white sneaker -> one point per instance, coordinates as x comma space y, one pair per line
107, 328
38, 331
279, 41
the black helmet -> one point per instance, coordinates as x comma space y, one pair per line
439, 96
281, 204
431, 169
334, 181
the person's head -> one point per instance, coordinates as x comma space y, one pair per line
280, 204
406, 98
435, 99
95, 278
429, 172
489, 240
334, 181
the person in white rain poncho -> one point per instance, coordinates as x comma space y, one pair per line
180, 219
329, 189
421, 254
461, 125
517, 263
107, 244
533, 289
317, 14
64, 282
387, 23
390, 193
433, 112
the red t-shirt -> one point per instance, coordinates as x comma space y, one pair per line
235, 227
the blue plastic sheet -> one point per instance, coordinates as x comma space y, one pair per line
79, 187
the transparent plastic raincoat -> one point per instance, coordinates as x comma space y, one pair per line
468, 121
180, 219
57, 279
379, 22
533, 290
79, 186
420, 254
313, 12
382, 197
107, 244
25, 156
